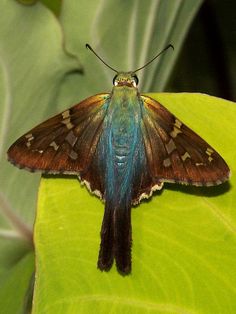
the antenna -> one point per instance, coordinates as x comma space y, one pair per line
146, 64
90, 48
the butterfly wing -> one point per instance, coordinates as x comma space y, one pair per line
65, 143
175, 153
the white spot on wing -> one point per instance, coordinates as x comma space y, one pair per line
209, 152
73, 155
185, 156
199, 164
67, 122
71, 138
65, 114
167, 162
178, 124
29, 138
170, 147
37, 151
176, 130
54, 145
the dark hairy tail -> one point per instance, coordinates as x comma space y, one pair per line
116, 238
106, 253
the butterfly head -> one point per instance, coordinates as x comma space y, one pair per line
129, 79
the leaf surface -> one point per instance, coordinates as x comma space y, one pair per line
184, 238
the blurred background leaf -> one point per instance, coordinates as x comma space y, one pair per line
32, 65
42, 57
54, 5
208, 55
15, 286
141, 29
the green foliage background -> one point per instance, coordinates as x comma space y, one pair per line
44, 68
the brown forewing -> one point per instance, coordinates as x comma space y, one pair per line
177, 154
65, 143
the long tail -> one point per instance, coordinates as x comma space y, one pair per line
116, 238
106, 253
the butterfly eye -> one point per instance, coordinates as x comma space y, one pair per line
135, 78
114, 80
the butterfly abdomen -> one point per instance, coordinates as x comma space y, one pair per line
119, 145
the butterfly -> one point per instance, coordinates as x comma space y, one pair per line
123, 146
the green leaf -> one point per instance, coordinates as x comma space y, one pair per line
183, 253
14, 286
